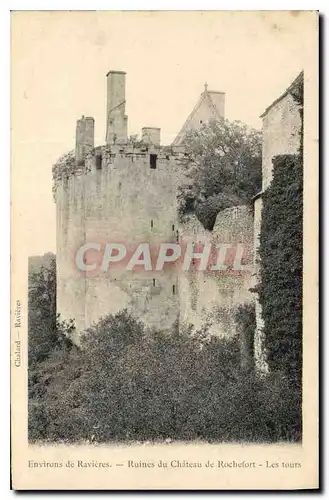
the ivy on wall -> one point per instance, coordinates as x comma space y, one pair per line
64, 166
281, 254
281, 259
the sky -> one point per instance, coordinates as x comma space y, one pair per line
59, 62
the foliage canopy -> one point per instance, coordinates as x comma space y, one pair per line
223, 169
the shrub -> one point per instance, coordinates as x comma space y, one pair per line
128, 383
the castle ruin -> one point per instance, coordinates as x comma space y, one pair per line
126, 191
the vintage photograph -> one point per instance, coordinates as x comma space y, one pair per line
162, 160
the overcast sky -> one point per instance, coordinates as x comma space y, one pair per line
59, 63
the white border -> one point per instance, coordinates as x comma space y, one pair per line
5, 7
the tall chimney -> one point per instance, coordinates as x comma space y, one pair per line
151, 135
84, 138
116, 119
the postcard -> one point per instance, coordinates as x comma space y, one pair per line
164, 244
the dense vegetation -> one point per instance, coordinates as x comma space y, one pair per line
223, 169
127, 383
46, 331
281, 265
281, 254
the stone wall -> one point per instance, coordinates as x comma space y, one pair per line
209, 299
259, 340
281, 128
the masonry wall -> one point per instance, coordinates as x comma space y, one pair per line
259, 340
209, 299
119, 199
281, 127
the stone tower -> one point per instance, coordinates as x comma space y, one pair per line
125, 192
119, 192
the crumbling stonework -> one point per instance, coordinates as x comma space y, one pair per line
209, 299
127, 193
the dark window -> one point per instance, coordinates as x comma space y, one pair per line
173, 227
153, 161
151, 224
173, 289
98, 162
177, 236
153, 282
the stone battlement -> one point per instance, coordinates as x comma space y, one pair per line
110, 156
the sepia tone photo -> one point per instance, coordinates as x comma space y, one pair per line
164, 183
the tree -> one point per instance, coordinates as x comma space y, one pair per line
51, 355
64, 166
223, 169
46, 331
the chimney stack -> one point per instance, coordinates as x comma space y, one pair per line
151, 136
84, 138
116, 119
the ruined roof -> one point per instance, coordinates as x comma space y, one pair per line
214, 100
214, 95
297, 81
